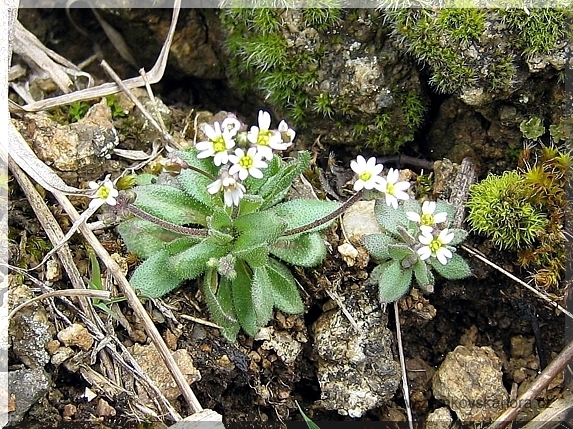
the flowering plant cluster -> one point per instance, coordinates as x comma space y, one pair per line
415, 239
216, 212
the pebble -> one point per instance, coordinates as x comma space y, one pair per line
76, 335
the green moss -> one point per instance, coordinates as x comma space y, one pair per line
537, 30
464, 25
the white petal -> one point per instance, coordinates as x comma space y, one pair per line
401, 186
391, 200
392, 176
256, 173
214, 187
426, 237
399, 195
424, 252
413, 216
93, 185
426, 229
264, 120
440, 217
358, 185
353, 166
446, 236
428, 207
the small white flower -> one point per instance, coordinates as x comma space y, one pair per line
219, 143
105, 193
247, 164
233, 191
287, 134
393, 189
436, 246
266, 140
428, 219
367, 172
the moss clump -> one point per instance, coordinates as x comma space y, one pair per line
500, 208
468, 47
328, 71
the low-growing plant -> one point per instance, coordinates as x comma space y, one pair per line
415, 241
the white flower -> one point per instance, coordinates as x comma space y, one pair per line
393, 189
436, 246
287, 134
428, 219
105, 193
220, 141
246, 164
233, 191
367, 172
265, 139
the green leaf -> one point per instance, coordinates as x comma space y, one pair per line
254, 256
399, 251
192, 262
195, 185
153, 277
387, 217
243, 301
276, 188
189, 155
261, 290
250, 203
309, 422
377, 245
301, 212
456, 268
459, 236
375, 274
209, 286
170, 204
424, 276
144, 238
285, 292
145, 179
394, 282
224, 297
306, 250
257, 228
181, 244
444, 206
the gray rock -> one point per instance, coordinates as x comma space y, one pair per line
29, 330
469, 381
26, 387
356, 370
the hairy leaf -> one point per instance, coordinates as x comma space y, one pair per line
181, 244
424, 276
209, 286
257, 228
144, 238
254, 256
394, 282
243, 301
456, 268
224, 296
307, 250
285, 291
444, 206
195, 185
153, 277
399, 251
388, 217
276, 188
250, 203
377, 245
170, 204
193, 262
375, 274
189, 155
459, 236
262, 294
302, 212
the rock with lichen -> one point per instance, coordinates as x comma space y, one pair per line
356, 368
333, 72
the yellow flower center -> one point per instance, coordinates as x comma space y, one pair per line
103, 192
365, 176
435, 245
427, 219
219, 144
390, 188
264, 137
246, 162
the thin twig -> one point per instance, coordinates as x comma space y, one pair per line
98, 294
540, 383
482, 258
200, 321
405, 387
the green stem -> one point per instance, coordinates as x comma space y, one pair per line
197, 232
328, 217
204, 173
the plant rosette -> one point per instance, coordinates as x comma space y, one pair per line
415, 241
227, 224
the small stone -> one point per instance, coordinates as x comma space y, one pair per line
53, 270
285, 346
348, 253
470, 382
103, 409
62, 355
27, 386
359, 220
519, 375
76, 335
170, 340
439, 419
521, 347
69, 410
52, 346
